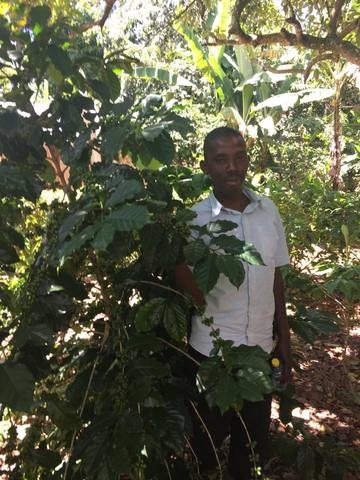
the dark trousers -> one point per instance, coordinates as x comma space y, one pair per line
256, 416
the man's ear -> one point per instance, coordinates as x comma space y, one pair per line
203, 167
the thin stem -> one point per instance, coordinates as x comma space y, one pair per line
193, 453
164, 287
210, 438
167, 469
179, 350
253, 458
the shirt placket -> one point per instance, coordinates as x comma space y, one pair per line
247, 279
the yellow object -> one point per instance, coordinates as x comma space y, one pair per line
275, 362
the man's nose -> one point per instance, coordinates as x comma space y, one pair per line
233, 165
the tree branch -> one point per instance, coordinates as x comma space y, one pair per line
184, 11
349, 27
235, 18
298, 28
100, 23
334, 45
280, 71
314, 61
335, 16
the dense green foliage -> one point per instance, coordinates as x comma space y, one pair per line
95, 190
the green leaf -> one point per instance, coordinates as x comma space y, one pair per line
40, 14
246, 356
8, 255
104, 236
251, 255
60, 59
148, 367
70, 222
225, 393
129, 217
229, 244
220, 226
38, 334
253, 384
162, 148
206, 273
113, 83
77, 242
173, 121
244, 62
152, 236
152, 132
71, 154
45, 458
9, 122
16, 386
301, 328
195, 251
113, 140
150, 315
175, 322
231, 268
61, 413
162, 75
100, 89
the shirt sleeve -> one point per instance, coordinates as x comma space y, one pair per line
282, 252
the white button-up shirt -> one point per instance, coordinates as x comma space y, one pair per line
243, 315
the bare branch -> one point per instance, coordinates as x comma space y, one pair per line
235, 18
333, 45
298, 28
335, 16
100, 23
319, 58
184, 11
349, 27
280, 71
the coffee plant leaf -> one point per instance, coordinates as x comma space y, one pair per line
175, 321
224, 394
232, 268
16, 386
220, 226
77, 241
244, 356
60, 59
126, 190
195, 251
206, 273
251, 255
150, 314
129, 217
61, 413
228, 243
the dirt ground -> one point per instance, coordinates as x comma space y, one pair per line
327, 385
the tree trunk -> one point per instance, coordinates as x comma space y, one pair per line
336, 146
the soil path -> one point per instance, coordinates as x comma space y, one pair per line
327, 385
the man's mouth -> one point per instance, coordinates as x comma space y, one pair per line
234, 178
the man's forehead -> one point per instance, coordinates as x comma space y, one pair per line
227, 143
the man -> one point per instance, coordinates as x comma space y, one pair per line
247, 315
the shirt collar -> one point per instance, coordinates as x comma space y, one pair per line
216, 206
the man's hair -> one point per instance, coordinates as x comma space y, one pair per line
220, 132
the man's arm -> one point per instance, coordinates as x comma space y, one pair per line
281, 326
185, 281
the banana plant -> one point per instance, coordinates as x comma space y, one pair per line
242, 87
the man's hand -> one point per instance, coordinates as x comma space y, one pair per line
283, 352
282, 349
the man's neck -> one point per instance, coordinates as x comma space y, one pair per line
235, 200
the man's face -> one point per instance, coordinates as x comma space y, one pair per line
226, 163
